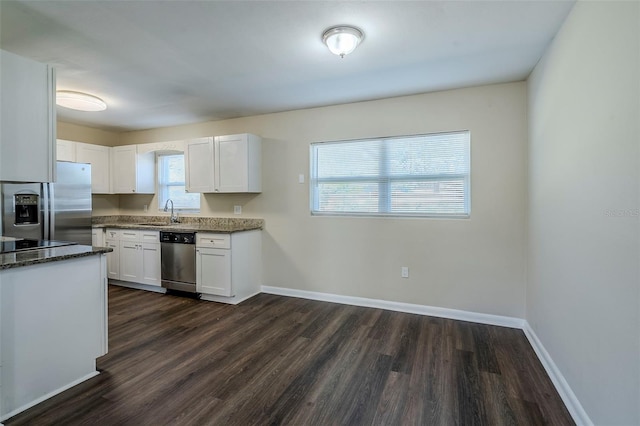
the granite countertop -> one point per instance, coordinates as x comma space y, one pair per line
36, 256
191, 224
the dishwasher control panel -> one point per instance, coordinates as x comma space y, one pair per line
178, 237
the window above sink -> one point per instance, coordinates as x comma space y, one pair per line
171, 184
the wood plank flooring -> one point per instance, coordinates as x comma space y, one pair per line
276, 360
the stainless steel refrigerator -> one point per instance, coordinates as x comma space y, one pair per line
50, 211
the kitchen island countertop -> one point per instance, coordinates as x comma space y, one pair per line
36, 256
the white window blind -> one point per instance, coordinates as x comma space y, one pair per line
425, 175
171, 184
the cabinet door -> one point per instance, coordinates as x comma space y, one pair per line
97, 237
113, 259
124, 169
150, 263
199, 165
98, 156
213, 271
238, 163
130, 261
65, 150
28, 117
231, 154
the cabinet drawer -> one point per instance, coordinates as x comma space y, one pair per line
150, 236
129, 235
213, 240
113, 234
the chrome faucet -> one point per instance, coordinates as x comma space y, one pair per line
174, 217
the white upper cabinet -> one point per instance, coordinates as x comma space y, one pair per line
198, 159
132, 173
224, 164
98, 156
238, 163
124, 169
28, 117
66, 150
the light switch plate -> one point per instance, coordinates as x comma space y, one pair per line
300, 178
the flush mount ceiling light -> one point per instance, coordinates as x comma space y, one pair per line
79, 101
342, 40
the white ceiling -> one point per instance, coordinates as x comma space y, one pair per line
165, 63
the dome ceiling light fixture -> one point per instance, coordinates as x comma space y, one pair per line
79, 101
342, 40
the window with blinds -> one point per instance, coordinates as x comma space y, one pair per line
424, 175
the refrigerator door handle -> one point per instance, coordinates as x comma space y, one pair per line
48, 208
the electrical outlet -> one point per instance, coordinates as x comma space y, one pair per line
237, 209
146, 207
301, 178
404, 272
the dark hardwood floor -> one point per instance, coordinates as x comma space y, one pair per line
278, 360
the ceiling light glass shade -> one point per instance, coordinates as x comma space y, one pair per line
342, 40
79, 101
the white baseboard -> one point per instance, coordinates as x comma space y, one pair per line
228, 300
138, 286
399, 307
568, 397
47, 396
566, 393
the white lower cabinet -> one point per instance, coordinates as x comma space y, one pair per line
112, 240
113, 259
97, 237
129, 261
150, 273
135, 257
228, 266
213, 271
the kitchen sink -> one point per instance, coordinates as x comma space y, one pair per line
154, 224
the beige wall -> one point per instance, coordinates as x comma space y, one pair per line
77, 133
475, 265
105, 205
583, 280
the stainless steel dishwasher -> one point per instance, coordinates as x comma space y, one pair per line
178, 261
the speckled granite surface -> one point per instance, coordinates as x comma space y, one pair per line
195, 224
33, 257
